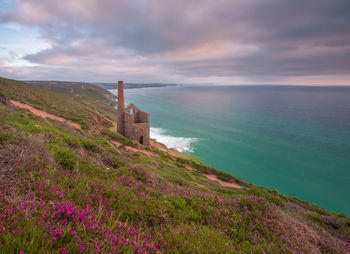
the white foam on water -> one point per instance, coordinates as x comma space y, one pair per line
181, 144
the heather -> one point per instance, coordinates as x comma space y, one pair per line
64, 190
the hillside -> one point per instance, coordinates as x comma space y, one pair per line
78, 107
86, 90
96, 91
68, 188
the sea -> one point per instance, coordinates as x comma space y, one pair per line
294, 139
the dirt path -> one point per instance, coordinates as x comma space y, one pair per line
154, 145
45, 114
133, 149
214, 178
77, 126
188, 167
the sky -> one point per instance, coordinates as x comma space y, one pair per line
177, 41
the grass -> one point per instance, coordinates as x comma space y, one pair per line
69, 191
64, 157
78, 89
61, 104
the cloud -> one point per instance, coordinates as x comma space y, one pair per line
190, 40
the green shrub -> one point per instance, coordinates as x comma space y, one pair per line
117, 163
102, 142
89, 146
266, 193
194, 239
126, 142
179, 181
202, 168
224, 176
117, 136
2, 108
179, 165
65, 157
73, 143
6, 137
32, 239
181, 160
150, 212
136, 154
158, 151
139, 174
88, 167
314, 217
111, 134
165, 156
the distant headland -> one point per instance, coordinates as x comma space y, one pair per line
48, 83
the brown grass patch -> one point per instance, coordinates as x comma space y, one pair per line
27, 154
314, 238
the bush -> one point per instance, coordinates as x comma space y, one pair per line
6, 137
224, 176
72, 143
65, 157
200, 167
179, 165
266, 193
150, 212
139, 173
111, 134
165, 156
181, 160
117, 163
127, 142
90, 146
102, 142
88, 167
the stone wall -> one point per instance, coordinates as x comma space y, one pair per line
136, 124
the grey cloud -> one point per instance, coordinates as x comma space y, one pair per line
153, 29
271, 63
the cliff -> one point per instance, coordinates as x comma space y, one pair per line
69, 183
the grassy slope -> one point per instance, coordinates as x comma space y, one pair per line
79, 109
63, 190
81, 89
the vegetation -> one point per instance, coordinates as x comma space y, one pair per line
78, 89
64, 190
65, 157
86, 111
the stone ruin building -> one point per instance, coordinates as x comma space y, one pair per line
133, 123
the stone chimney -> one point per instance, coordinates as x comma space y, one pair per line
120, 94
132, 123
120, 109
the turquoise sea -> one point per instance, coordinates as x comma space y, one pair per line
294, 139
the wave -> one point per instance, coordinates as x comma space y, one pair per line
181, 144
